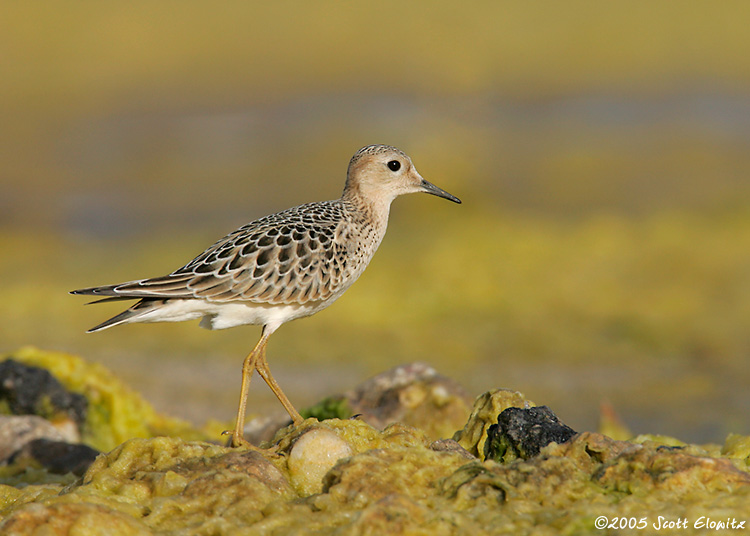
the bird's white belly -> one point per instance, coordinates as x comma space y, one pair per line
228, 315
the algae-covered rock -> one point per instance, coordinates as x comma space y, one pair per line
312, 456
18, 430
567, 487
191, 487
737, 447
487, 407
399, 486
28, 390
114, 412
651, 466
171, 484
63, 519
370, 476
312, 449
413, 394
59, 457
345, 476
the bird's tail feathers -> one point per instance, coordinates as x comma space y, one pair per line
130, 315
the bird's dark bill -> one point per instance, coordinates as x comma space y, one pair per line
434, 190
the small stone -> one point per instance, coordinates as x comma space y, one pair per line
17, 430
312, 456
523, 432
414, 394
451, 445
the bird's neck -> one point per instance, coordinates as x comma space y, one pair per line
369, 211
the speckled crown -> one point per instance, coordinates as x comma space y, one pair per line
370, 150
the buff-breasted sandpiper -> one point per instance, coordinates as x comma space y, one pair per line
281, 267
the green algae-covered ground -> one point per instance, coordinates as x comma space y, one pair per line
345, 477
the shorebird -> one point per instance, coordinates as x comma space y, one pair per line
284, 266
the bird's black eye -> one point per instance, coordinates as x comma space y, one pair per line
394, 165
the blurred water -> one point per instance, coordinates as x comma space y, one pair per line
125, 172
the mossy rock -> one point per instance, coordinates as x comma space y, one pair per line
115, 412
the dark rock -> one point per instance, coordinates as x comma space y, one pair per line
473, 436
523, 432
57, 457
31, 390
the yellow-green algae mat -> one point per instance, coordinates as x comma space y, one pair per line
344, 477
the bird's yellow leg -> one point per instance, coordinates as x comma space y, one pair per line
248, 366
261, 366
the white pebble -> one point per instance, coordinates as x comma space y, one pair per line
312, 456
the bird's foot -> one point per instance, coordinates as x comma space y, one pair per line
237, 441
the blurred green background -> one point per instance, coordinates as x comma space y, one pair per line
601, 149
